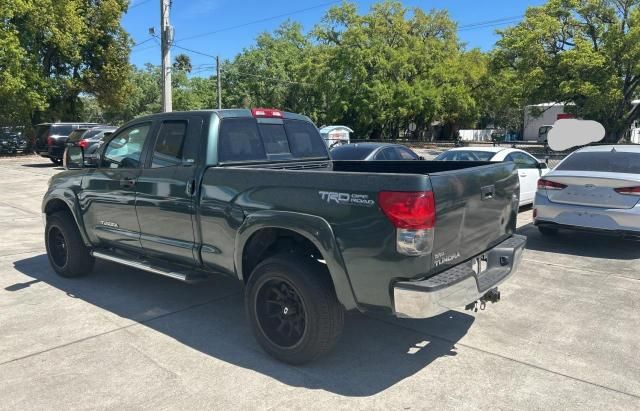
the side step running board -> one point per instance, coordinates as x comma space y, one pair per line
184, 276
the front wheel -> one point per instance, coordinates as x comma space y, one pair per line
293, 309
67, 253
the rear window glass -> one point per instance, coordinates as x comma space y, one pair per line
274, 138
61, 129
240, 141
77, 134
604, 161
244, 139
304, 139
466, 156
350, 152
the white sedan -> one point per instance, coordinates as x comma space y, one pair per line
530, 169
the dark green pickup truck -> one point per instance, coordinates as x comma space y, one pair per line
253, 194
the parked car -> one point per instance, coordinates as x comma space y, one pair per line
595, 189
253, 194
7, 145
373, 151
12, 142
529, 167
21, 143
51, 139
90, 139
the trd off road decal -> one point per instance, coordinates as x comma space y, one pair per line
346, 198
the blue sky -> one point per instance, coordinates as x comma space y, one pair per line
193, 17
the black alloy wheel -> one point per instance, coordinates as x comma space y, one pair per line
281, 313
58, 247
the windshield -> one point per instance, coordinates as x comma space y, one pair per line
606, 161
465, 155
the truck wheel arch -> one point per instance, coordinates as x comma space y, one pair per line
56, 204
259, 229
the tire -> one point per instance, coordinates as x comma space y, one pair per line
67, 253
295, 291
547, 230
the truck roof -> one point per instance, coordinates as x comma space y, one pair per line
223, 113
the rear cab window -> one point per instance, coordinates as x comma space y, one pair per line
247, 139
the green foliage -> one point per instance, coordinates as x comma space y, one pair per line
376, 72
52, 51
581, 51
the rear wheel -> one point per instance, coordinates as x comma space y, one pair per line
547, 230
67, 253
293, 309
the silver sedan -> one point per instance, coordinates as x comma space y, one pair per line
595, 189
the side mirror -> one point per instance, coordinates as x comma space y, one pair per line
73, 158
542, 166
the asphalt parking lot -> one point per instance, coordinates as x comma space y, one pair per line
564, 336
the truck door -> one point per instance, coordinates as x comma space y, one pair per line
108, 192
165, 191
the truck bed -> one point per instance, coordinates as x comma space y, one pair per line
476, 208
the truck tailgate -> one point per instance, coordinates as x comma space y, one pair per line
476, 208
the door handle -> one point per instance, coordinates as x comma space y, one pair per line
487, 192
127, 182
523, 174
190, 189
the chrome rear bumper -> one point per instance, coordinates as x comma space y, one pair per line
460, 285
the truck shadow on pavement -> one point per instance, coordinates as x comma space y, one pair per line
373, 354
581, 244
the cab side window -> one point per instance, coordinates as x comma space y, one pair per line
522, 160
125, 149
169, 147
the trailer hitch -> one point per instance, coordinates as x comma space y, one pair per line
492, 296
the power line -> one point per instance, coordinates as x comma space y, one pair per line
317, 6
497, 21
138, 4
193, 51
145, 48
142, 42
243, 73
488, 25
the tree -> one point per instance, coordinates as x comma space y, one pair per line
53, 51
182, 62
393, 66
581, 51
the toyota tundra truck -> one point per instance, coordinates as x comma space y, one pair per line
254, 194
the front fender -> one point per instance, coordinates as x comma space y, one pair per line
69, 198
315, 229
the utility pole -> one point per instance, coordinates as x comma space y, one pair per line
219, 82
166, 38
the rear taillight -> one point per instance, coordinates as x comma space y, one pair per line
84, 144
631, 191
414, 210
550, 185
49, 141
267, 113
413, 214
